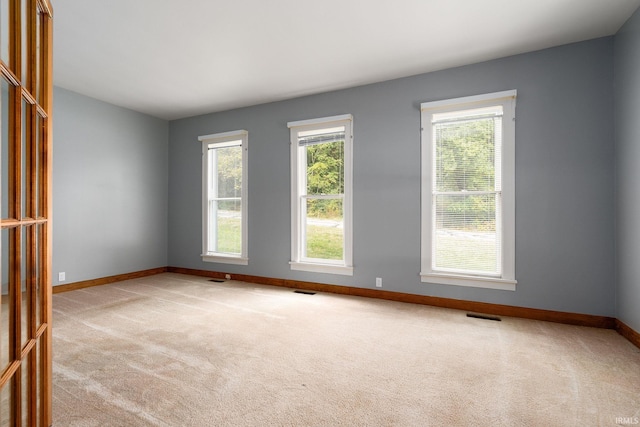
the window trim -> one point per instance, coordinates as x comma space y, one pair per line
506, 281
344, 267
222, 140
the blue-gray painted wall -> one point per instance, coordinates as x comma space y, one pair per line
627, 126
564, 179
110, 180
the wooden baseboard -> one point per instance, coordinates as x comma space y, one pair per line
106, 280
476, 307
221, 275
627, 332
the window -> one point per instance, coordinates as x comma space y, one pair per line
224, 188
468, 191
321, 176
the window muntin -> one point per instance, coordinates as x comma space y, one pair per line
224, 197
468, 214
321, 195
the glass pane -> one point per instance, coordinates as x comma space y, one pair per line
37, 162
4, 155
325, 168
4, 31
25, 41
226, 224
4, 302
38, 64
37, 273
25, 390
5, 404
465, 154
465, 233
24, 157
38, 350
25, 279
324, 229
229, 168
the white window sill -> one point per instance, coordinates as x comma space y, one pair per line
471, 281
225, 259
322, 268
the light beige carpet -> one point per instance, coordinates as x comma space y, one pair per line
175, 350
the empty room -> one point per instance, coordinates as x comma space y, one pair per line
337, 213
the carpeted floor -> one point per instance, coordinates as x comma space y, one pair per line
176, 350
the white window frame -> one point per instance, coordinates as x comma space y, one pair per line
506, 280
221, 140
298, 187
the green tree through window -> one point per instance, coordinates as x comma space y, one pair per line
325, 175
465, 162
321, 183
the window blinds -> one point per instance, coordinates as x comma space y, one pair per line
466, 191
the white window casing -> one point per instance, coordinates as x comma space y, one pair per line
305, 133
211, 144
497, 110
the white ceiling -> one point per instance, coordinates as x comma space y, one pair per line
179, 58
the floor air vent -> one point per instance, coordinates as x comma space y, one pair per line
483, 316
216, 280
305, 292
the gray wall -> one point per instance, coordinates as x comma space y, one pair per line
564, 179
627, 127
110, 177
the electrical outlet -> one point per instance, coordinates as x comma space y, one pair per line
227, 276
62, 276
378, 282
